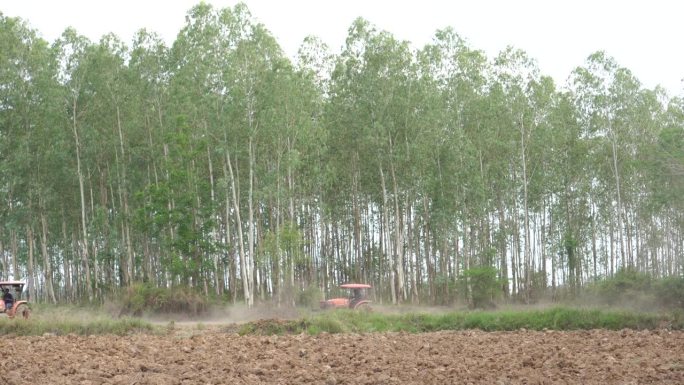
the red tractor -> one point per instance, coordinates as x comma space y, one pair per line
11, 304
357, 299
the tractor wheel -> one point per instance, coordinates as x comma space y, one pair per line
23, 311
364, 307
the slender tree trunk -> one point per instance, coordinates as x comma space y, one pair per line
30, 278
503, 249
426, 241
593, 240
291, 211
245, 274
356, 239
552, 229
214, 233
47, 260
399, 239
84, 225
385, 236
526, 221
613, 260
68, 289
250, 236
5, 262
232, 266
542, 242
14, 249
621, 249
123, 193
277, 271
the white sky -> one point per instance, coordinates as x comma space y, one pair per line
644, 36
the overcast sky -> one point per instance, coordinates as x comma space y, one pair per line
644, 36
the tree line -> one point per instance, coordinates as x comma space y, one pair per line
220, 164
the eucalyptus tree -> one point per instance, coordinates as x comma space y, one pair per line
514, 76
48, 167
314, 66
606, 95
567, 182
341, 176
315, 62
15, 108
291, 144
274, 111
251, 49
657, 125
455, 187
73, 59
149, 78
112, 133
195, 95
30, 139
544, 100
646, 118
671, 149
670, 184
374, 117
232, 86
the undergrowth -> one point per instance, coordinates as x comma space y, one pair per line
144, 298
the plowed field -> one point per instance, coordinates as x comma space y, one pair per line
216, 355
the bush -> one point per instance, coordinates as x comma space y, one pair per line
638, 290
484, 286
309, 297
140, 298
627, 286
670, 292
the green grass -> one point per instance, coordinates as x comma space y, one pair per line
63, 320
41, 327
560, 318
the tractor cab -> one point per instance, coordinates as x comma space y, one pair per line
11, 302
357, 298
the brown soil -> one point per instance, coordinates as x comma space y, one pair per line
211, 355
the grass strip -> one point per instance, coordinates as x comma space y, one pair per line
33, 327
560, 318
